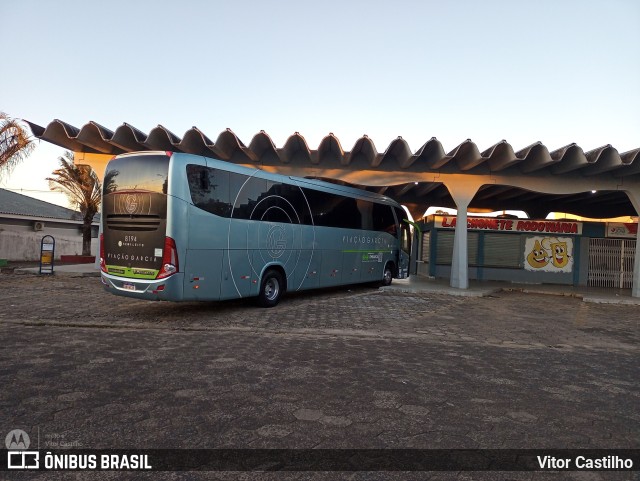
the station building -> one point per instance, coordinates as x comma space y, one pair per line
564, 252
600, 183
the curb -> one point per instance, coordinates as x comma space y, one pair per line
34, 272
444, 290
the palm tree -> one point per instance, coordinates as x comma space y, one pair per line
15, 142
82, 187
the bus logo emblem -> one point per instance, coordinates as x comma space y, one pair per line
131, 203
276, 242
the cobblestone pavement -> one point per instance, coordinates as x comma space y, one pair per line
343, 368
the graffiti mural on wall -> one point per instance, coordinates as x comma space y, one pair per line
548, 254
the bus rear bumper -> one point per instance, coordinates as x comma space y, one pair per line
167, 289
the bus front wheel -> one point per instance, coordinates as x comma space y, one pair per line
271, 289
387, 275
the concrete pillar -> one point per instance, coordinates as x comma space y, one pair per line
635, 290
634, 197
539, 213
459, 264
462, 191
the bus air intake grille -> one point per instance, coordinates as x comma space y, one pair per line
133, 223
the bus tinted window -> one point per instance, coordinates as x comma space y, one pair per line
249, 191
400, 214
284, 203
148, 173
383, 219
330, 210
209, 189
239, 196
405, 234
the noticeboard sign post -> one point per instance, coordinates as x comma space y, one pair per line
47, 250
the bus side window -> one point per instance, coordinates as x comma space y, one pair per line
250, 191
331, 210
383, 219
204, 180
199, 192
405, 232
209, 189
283, 203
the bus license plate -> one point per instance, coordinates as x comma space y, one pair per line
128, 286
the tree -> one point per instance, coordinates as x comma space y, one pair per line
15, 143
82, 187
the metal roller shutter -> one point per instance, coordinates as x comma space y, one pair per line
502, 250
426, 247
445, 248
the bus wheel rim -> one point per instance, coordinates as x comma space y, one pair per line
271, 289
387, 275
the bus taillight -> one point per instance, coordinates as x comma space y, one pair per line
103, 264
169, 259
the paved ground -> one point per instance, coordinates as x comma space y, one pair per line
346, 368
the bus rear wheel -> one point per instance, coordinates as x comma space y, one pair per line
271, 289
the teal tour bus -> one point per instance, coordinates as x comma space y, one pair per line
181, 227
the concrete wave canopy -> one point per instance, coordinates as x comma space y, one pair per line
95, 138
508, 179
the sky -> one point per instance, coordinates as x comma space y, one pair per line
555, 71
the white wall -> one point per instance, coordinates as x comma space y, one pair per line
22, 243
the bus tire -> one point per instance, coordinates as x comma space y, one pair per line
271, 288
387, 275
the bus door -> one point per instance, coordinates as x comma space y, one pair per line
404, 251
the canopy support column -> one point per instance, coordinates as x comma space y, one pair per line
462, 193
634, 197
635, 290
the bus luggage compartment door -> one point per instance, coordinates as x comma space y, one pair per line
202, 274
237, 274
330, 268
351, 267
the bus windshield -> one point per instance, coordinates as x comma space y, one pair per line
149, 173
135, 215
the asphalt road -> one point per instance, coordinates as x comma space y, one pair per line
349, 368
